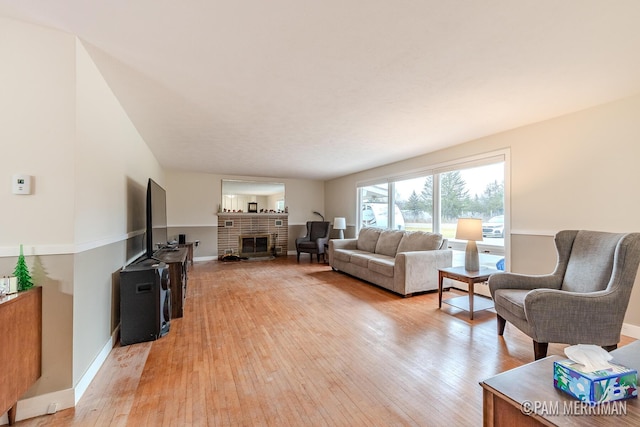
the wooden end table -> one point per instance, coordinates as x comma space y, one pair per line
469, 277
189, 246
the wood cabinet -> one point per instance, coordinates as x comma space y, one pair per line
20, 346
176, 259
189, 246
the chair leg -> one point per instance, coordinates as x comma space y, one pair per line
501, 324
610, 347
540, 350
318, 256
298, 256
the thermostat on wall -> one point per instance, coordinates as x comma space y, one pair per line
21, 184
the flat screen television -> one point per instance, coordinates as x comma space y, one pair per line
156, 218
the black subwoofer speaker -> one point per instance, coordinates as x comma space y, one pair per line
145, 303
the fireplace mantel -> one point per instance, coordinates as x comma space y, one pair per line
249, 214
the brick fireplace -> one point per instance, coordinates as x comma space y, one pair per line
261, 230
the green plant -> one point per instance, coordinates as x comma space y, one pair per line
22, 273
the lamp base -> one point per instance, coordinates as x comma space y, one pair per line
341, 234
471, 258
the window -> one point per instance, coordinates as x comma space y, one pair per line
433, 200
414, 197
374, 202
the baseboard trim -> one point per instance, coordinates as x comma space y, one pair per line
205, 258
632, 331
93, 369
63, 399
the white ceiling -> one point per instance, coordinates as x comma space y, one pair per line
320, 89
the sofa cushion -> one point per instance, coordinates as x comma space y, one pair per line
420, 241
361, 258
368, 238
388, 242
344, 255
512, 300
382, 264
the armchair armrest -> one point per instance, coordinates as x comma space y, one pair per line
562, 316
302, 239
322, 241
523, 281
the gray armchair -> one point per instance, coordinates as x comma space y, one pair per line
313, 243
582, 302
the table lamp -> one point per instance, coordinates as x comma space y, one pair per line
340, 223
470, 229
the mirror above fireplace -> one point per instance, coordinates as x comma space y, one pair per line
238, 194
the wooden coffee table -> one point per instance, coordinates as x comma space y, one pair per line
473, 302
525, 396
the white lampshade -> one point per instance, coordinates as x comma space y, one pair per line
469, 229
339, 223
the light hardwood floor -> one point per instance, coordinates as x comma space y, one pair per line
281, 343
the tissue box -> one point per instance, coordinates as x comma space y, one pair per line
615, 383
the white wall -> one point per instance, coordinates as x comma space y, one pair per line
110, 154
109, 150
60, 123
578, 171
37, 136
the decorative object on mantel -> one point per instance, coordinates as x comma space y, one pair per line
340, 224
22, 273
266, 211
253, 207
470, 229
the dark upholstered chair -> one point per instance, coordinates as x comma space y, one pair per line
582, 302
313, 243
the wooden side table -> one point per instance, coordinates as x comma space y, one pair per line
176, 259
189, 246
470, 278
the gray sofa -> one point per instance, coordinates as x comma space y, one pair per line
404, 262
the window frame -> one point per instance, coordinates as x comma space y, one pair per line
493, 157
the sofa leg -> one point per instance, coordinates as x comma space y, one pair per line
501, 324
540, 350
610, 347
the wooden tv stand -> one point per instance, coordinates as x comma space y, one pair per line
176, 259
